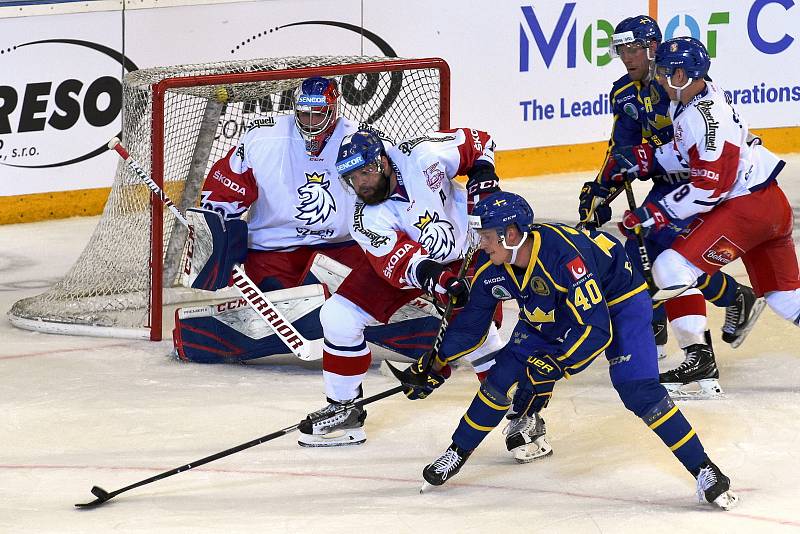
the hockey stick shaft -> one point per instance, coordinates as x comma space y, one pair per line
643, 255
103, 496
284, 329
431, 355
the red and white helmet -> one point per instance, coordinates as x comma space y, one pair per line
316, 111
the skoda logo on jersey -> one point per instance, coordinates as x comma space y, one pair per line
436, 236
316, 202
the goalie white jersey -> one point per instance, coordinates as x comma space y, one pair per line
294, 199
427, 208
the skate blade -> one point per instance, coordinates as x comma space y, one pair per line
425, 487
727, 500
538, 450
758, 307
708, 389
334, 439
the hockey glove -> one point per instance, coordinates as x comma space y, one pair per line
649, 217
437, 281
592, 209
628, 162
482, 181
417, 384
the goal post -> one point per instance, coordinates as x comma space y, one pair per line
178, 121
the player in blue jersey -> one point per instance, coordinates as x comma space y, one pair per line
573, 289
641, 145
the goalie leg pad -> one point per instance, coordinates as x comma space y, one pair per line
234, 332
214, 247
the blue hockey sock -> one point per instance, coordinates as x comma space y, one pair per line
719, 289
483, 415
669, 424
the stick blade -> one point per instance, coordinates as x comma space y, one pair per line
101, 494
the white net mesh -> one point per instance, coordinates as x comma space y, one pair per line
107, 291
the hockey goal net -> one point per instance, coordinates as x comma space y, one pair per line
177, 122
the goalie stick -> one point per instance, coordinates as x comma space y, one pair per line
103, 495
297, 344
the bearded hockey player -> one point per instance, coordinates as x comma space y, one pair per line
411, 222
282, 173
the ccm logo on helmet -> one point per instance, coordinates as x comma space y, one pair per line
387, 271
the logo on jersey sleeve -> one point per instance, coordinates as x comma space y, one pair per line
436, 236
577, 268
316, 202
722, 252
434, 176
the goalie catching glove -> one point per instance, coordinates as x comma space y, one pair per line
214, 247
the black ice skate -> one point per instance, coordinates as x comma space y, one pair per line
337, 424
713, 487
526, 439
700, 367
444, 467
741, 316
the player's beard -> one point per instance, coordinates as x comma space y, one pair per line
375, 195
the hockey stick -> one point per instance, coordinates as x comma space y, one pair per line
430, 356
285, 330
606, 202
103, 495
637, 230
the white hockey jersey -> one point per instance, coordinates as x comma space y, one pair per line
713, 139
426, 215
294, 199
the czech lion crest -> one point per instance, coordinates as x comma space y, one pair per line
316, 202
437, 236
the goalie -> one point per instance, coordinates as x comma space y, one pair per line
297, 236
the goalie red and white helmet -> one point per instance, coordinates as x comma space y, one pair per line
316, 111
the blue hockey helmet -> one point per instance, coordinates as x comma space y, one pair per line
357, 150
641, 30
685, 53
500, 210
316, 111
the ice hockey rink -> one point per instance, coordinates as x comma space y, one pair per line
78, 411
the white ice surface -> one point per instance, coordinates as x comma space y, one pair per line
77, 412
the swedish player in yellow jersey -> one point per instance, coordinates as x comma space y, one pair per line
578, 298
